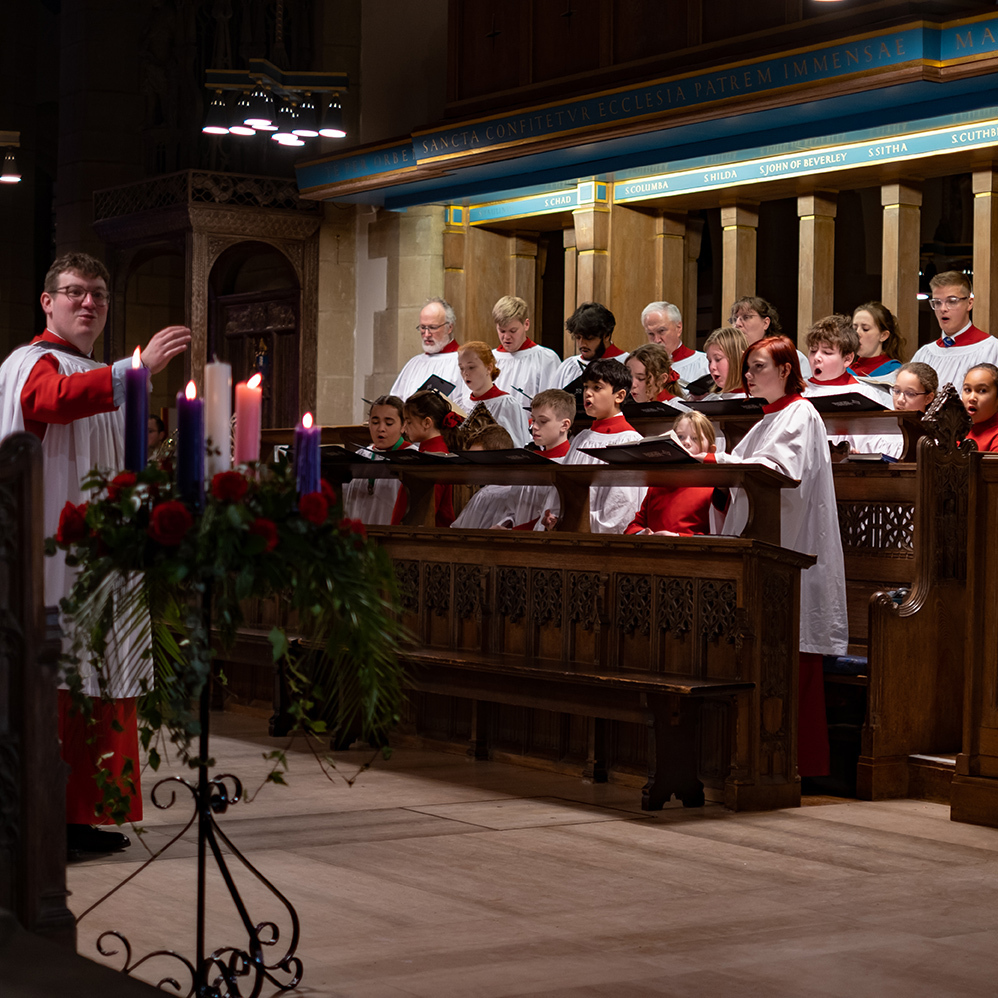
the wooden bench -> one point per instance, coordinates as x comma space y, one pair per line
679, 651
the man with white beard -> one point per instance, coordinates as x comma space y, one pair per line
439, 356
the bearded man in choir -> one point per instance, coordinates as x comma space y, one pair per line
663, 323
591, 325
53, 387
439, 356
962, 344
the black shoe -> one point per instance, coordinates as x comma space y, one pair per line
86, 838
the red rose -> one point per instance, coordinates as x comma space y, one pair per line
328, 491
125, 480
72, 524
353, 527
169, 522
228, 486
314, 508
266, 529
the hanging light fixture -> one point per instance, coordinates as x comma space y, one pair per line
332, 121
10, 174
240, 113
216, 121
285, 120
307, 126
261, 110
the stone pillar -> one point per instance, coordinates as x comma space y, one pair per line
571, 286
455, 277
592, 238
740, 223
816, 266
670, 258
523, 267
691, 274
902, 240
985, 313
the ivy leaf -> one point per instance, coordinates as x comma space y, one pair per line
279, 642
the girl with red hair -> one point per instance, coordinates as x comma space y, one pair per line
791, 438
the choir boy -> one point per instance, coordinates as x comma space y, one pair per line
962, 344
611, 508
592, 326
526, 368
552, 413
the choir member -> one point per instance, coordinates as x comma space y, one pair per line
756, 318
592, 326
663, 323
439, 356
980, 399
684, 510
371, 500
478, 369
724, 348
492, 506
526, 368
791, 439
962, 344
914, 387
880, 343
653, 378
552, 413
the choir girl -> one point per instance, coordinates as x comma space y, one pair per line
980, 399
371, 500
791, 438
478, 368
652, 377
492, 505
914, 387
430, 422
672, 511
724, 348
880, 343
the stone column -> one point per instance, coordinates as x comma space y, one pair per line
902, 240
816, 266
670, 257
592, 238
455, 277
740, 223
571, 285
986, 250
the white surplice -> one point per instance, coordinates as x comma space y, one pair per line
530, 370
490, 506
416, 371
792, 440
887, 441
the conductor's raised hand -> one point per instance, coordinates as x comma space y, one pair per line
164, 346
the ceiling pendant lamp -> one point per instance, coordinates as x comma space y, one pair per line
332, 121
307, 126
216, 121
241, 110
261, 110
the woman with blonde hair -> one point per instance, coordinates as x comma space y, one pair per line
724, 349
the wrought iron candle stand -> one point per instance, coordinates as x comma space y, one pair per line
221, 973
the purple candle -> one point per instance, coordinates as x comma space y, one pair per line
307, 455
190, 445
136, 414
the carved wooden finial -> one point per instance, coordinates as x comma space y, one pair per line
947, 422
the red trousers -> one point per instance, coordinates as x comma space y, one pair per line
87, 747
812, 724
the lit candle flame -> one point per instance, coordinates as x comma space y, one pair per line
254, 382
191, 391
137, 358
306, 421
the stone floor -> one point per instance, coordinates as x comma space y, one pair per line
438, 877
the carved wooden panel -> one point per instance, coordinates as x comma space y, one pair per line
407, 577
879, 526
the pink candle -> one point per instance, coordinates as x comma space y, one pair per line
249, 401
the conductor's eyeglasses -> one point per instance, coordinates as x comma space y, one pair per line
937, 303
906, 392
77, 295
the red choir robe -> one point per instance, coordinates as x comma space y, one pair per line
443, 495
985, 434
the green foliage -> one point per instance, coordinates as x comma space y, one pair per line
144, 576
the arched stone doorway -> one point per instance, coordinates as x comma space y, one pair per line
254, 324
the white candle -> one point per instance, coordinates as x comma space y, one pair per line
218, 418
249, 403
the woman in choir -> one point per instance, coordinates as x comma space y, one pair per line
980, 399
791, 438
477, 365
668, 512
430, 422
371, 500
652, 377
724, 349
915, 386
880, 343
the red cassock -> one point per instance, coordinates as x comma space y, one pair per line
985, 434
67, 401
683, 511
443, 495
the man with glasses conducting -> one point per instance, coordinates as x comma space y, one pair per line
962, 345
439, 356
54, 388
